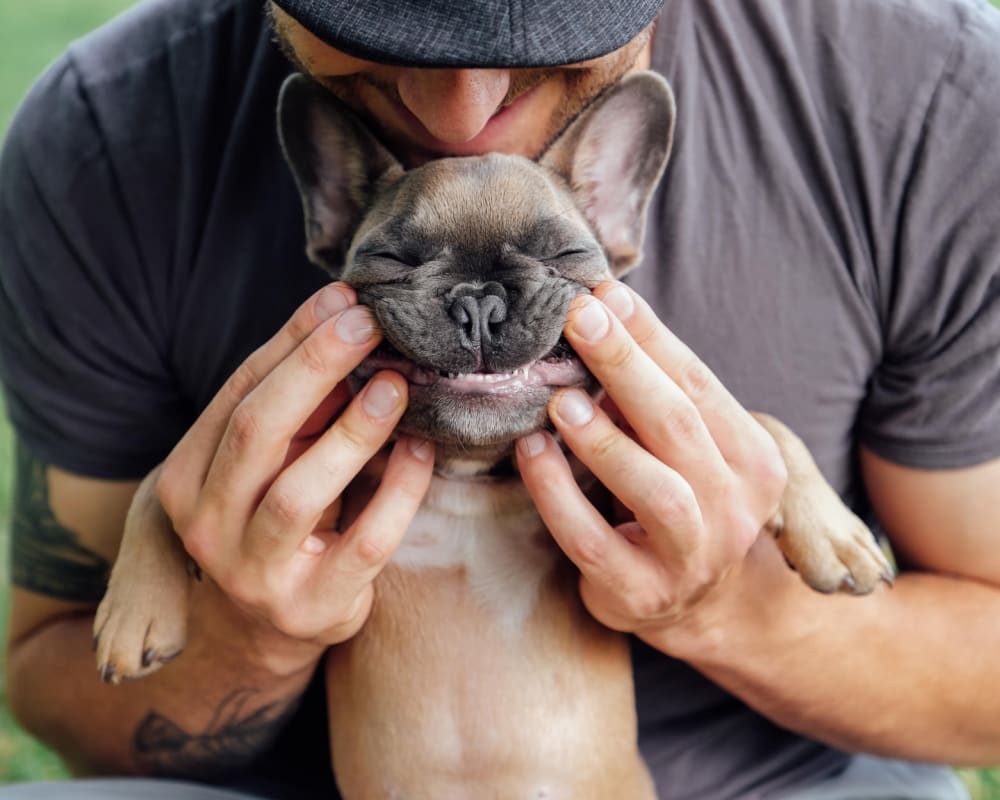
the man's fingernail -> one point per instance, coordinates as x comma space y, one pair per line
422, 449
330, 302
355, 326
591, 322
619, 300
381, 397
575, 407
532, 445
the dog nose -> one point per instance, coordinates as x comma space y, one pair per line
479, 309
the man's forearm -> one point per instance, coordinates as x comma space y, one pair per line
205, 714
909, 672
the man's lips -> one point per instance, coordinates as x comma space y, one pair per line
490, 137
544, 372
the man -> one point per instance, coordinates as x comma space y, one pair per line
825, 241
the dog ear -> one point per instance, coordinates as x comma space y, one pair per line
337, 163
612, 157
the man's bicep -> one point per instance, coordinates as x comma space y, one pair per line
65, 531
945, 521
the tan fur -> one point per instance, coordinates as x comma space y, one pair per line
465, 709
447, 694
142, 622
827, 544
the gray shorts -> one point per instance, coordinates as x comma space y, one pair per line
869, 778
865, 779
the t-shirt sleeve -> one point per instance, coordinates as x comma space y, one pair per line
84, 337
934, 401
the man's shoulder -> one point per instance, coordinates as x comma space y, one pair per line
163, 83
823, 39
921, 30
935, 17
916, 22
160, 59
826, 69
142, 37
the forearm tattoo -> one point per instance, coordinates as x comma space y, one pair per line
46, 557
230, 741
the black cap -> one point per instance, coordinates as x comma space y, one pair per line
474, 33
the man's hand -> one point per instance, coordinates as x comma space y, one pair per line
253, 488
698, 472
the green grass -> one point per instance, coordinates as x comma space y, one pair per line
35, 32
31, 35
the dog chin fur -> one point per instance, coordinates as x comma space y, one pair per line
473, 440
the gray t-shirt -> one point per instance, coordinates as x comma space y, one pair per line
827, 238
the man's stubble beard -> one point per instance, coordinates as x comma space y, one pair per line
581, 87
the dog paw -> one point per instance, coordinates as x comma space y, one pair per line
820, 537
833, 552
137, 633
141, 623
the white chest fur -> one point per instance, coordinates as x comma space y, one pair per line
490, 530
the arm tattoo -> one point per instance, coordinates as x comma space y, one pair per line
231, 740
46, 557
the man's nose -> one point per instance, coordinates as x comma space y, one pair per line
453, 104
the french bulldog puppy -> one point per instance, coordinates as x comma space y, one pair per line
479, 673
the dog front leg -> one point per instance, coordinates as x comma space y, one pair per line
822, 539
141, 623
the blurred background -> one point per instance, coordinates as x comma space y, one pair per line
31, 35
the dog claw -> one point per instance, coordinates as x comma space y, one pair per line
888, 579
848, 584
108, 673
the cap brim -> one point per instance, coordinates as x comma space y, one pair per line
480, 33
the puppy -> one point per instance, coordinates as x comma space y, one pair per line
479, 673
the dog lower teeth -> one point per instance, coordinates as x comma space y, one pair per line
488, 377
